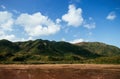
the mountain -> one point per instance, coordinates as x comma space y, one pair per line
100, 48
44, 51
109, 54
53, 51
7, 49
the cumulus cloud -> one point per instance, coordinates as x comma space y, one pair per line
73, 17
6, 21
111, 16
34, 25
77, 40
37, 24
10, 37
6, 25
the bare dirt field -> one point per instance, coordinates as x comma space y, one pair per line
60, 71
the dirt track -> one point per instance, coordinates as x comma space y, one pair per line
57, 71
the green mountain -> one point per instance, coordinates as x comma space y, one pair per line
7, 49
100, 48
109, 54
44, 51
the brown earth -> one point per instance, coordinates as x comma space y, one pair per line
60, 71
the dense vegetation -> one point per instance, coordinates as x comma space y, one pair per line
100, 48
44, 51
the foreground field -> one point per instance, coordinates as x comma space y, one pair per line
60, 71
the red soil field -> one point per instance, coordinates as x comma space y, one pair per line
60, 71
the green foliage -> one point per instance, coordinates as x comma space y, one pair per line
44, 51
100, 48
105, 60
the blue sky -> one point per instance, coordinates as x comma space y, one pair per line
67, 20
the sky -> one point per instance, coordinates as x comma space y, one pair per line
61, 20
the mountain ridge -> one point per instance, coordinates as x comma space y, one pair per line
45, 50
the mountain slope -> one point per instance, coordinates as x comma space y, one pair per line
52, 50
44, 50
7, 49
100, 48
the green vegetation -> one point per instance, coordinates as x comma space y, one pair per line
44, 51
100, 48
105, 60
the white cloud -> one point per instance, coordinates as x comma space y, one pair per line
10, 37
25, 39
34, 25
37, 24
77, 40
73, 17
6, 25
111, 16
6, 21
1, 32
90, 24
3, 7
58, 20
